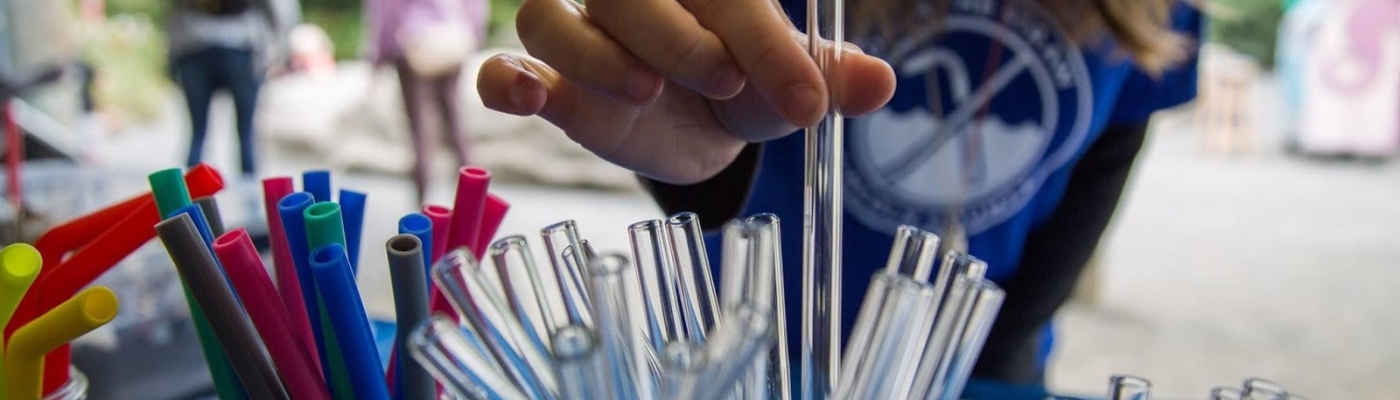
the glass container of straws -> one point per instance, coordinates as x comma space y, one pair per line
75, 389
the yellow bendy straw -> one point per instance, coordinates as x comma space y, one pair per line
24, 360
19, 265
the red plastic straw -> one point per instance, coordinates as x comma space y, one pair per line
442, 218
491, 217
467, 208
98, 247
288, 285
248, 276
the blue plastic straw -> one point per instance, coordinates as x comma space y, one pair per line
352, 215
293, 209
347, 314
420, 225
318, 183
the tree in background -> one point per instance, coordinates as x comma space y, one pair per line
1248, 26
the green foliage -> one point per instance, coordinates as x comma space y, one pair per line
128, 53
503, 15
344, 25
1248, 26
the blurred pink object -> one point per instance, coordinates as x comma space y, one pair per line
312, 50
389, 20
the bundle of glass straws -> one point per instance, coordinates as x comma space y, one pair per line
598, 326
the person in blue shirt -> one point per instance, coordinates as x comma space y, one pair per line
1009, 127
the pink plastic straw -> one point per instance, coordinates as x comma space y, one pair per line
441, 216
467, 208
289, 287
249, 279
491, 217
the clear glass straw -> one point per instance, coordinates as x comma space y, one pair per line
1123, 387
1226, 393
734, 262
913, 254
443, 351
986, 299
1264, 389
764, 246
822, 212
930, 381
911, 259
560, 240
901, 326
863, 332
524, 289
614, 302
681, 361
732, 350
658, 281
580, 363
699, 305
458, 276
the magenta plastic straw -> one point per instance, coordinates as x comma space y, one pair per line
249, 278
491, 216
467, 207
288, 284
442, 220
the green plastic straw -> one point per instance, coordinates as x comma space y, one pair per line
168, 188
323, 227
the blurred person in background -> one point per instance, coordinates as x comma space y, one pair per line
222, 44
427, 41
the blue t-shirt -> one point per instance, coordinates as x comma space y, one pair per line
994, 104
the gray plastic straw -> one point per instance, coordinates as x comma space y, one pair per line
210, 207
406, 272
211, 292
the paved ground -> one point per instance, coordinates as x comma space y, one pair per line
1218, 268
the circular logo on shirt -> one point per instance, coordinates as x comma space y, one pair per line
988, 104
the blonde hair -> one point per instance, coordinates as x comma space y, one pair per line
1141, 28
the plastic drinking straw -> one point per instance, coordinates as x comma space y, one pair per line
288, 282
352, 213
681, 361
221, 368
732, 349
467, 207
491, 216
410, 308
98, 241
569, 268
318, 183
336, 284
249, 278
211, 214
292, 209
1226, 393
616, 299
441, 348
1123, 387
580, 361
457, 275
324, 227
986, 301
19, 265
699, 305
184, 240
525, 290
822, 211
442, 223
420, 227
767, 260
169, 190
1263, 389
24, 358
658, 281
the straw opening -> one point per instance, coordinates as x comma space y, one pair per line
436, 210
415, 223
295, 200
327, 254
21, 261
99, 306
233, 236
476, 172
404, 243
322, 210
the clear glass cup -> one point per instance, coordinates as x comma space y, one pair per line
75, 389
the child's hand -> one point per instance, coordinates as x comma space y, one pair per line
672, 89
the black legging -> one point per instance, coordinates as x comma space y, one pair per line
203, 72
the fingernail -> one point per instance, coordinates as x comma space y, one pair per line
727, 82
520, 90
801, 101
639, 86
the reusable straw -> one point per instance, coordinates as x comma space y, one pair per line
491, 216
525, 290
324, 225
913, 254
734, 262
292, 209
956, 277
221, 368
352, 213
19, 265
699, 305
616, 299
457, 275
197, 268
210, 207
681, 361
441, 348
731, 350
1263, 389
569, 267
336, 285
421, 227
901, 324
292, 358
580, 363
84, 312
406, 272
1226, 393
822, 211
767, 264
318, 183
986, 301
169, 189
1122, 387
442, 224
467, 207
288, 282
658, 280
